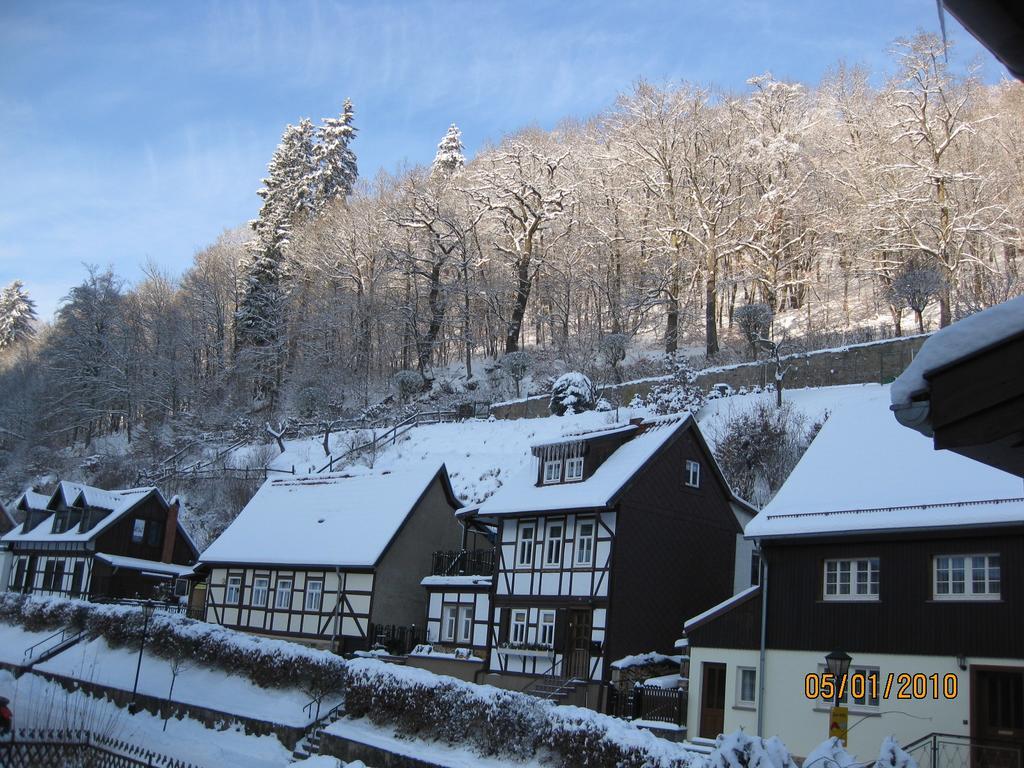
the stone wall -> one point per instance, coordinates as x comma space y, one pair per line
873, 362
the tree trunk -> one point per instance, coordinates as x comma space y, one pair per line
711, 307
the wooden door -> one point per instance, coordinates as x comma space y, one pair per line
997, 715
712, 700
578, 652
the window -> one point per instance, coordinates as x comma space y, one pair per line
260, 588
518, 635
574, 468
692, 473
553, 544
584, 543
57, 582
552, 471
234, 592
138, 531
465, 623
746, 686
77, 577
967, 577
153, 533
314, 594
19, 574
48, 575
283, 597
547, 628
851, 579
865, 680
524, 550
449, 622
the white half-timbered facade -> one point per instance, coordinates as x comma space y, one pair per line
327, 558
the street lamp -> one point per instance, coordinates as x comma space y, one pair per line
147, 610
838, 664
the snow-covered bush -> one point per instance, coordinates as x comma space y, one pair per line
516, 365
675, 395
830, 754
758, 447
572, 392
407, 384
741, 750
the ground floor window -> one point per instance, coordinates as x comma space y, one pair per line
519, 621
746, 686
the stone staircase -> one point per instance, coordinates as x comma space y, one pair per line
309, 745
556, 689
49, 647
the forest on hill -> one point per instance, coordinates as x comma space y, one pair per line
658, 225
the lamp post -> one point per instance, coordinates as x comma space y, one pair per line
838, 665
147, 610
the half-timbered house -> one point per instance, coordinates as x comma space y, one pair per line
328, 560
604, 546
91, 543
907, 559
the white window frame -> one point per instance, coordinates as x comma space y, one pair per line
553, 544
968, 568
465, 623
552, 471
524, 545
260, 591
853, 568
867, 703
546, 629
741, 701
233, 590
283, 595
692, 474
518, 626
585, 543
314, 597
138, 530
574, 469
449, 622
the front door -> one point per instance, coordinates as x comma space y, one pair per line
578, 655
712, 700
997, 714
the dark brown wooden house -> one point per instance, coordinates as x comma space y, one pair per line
87, 542
603, 548
909, 560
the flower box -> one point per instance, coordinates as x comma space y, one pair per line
541, 652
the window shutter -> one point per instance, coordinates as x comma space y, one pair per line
503, 625
561, 629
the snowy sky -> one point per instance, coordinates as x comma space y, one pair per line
138, 131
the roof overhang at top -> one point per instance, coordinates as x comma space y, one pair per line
996, 24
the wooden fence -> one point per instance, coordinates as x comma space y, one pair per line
33, 748
648, 702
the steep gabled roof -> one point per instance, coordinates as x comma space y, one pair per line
337, 519
6, 520
864, 472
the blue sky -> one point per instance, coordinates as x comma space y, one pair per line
138, 131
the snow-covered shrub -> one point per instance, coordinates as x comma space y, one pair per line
572, 392
407, 384
740, 750
758, 447
830, 754
675, 395
892, 755
309, 400
516, 365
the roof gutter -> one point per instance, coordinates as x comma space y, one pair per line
916, 415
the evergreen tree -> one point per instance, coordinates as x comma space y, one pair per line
17, 315
290, 187
449, 159
336, 163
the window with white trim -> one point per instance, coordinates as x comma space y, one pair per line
584, 542
283, 596
260, 590
138, 530
552, 471
746, 686
234, 591
865, 680
314, 594
851, 579
449, 622
553, 544
524, 545
465, 623
518, 633
966, 577
574, 468
546, 632
693, 473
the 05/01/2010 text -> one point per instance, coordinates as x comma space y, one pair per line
873, 685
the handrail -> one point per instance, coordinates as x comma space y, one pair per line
65, 634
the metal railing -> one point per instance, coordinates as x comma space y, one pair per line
49, 643
31, 748
947, 750
391, 435
463, 562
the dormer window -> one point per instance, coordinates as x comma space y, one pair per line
692, 476
574, 469
552, 471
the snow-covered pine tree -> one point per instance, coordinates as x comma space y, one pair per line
289, 189
17, 315
449, 159
335, 161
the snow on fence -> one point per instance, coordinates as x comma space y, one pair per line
31, 748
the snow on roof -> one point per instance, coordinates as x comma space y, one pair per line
866, 472
521, 494
589, 434
715, 610
117, 502
330, 519
138, 564
961, 339
32, 500
456, 581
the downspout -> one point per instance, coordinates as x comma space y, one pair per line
337, 611
764, 632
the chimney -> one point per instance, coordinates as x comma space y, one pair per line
170, 531
639, 423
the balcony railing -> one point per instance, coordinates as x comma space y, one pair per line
463, 562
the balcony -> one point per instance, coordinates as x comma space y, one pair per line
463, 562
